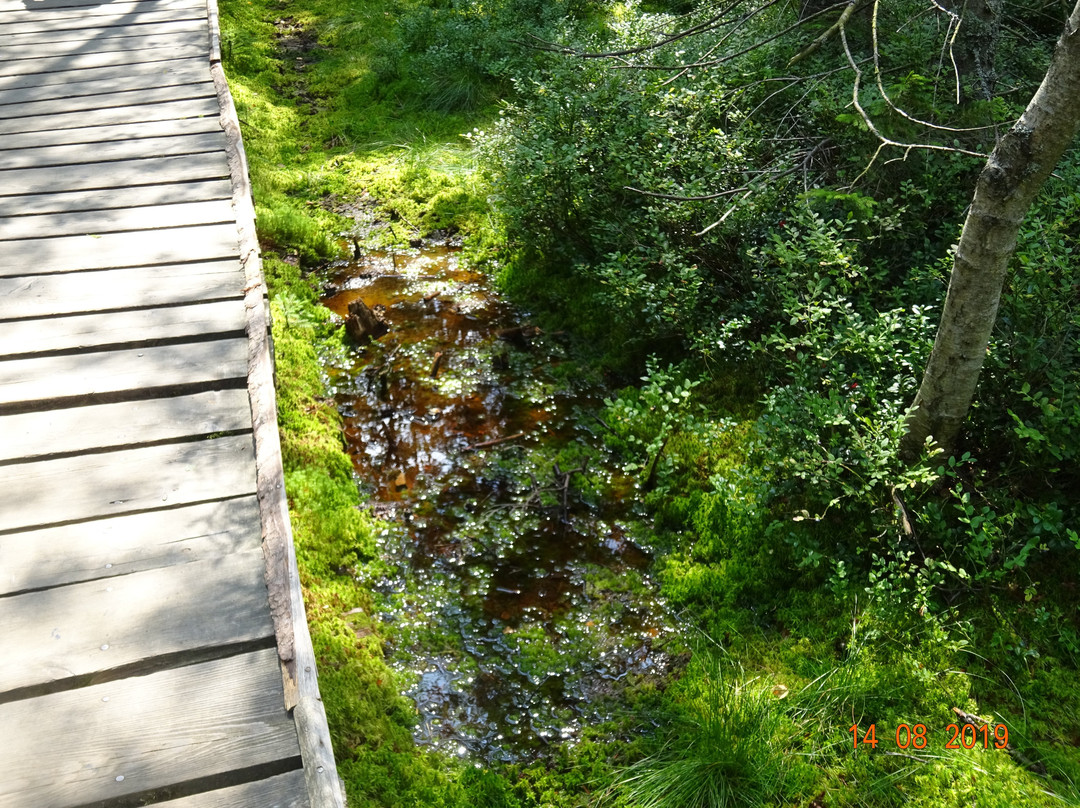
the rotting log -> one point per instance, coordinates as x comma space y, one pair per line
295, 650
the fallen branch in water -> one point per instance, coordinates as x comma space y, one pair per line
436, 363
493, 442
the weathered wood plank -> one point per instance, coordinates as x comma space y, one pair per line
56, 108
188, 74
64, 634
115, 220
130, 42
35, 435
41, 30
75, 153
201, 106
282, 791
134, 196
114, 250
78, 61
122, 328
116, 133
100, 743
88, 14
119, 174
325, 789
72, 489
73, 6
54, 377
104, 548
44, 295
89, 75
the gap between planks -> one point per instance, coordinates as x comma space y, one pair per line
151, 111
56, 492
111, 741
43, 380
119, 175
187, 74
34, 436
66, 636
82, 153
52, 32
118, 545
179, 42
112, 133
34, 296
117, 220
23, 117
77, 61
283, 791
116, 250
89, 75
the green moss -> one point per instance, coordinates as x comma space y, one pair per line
361, 122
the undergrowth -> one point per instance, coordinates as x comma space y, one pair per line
823, 586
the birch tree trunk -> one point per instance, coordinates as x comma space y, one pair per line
1008, 184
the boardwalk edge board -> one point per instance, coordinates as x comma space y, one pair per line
283, 577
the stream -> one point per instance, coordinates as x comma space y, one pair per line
513, 573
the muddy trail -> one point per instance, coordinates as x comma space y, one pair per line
512, 574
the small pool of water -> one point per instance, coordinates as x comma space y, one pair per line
514, 574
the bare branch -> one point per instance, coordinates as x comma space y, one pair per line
817, 43
716, 21
679, 198
729, 57
887, 141
713, 22
954, 20
727, 213
885, 95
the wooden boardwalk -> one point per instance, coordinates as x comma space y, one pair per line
142, 511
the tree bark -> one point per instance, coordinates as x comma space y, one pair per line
1007, 186
976, 43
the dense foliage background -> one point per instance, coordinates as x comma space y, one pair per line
731, 244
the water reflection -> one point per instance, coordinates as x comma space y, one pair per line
515, 580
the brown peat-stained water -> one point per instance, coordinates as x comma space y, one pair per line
512, 563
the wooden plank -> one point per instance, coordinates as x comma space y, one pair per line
104, 548
73, 6
155, 111
112, 133
282, 791
187, 74
123, 328
34, 435
74, 153
55, 377
134, 40
115, 250
55, 107
44, 295
68, 29
101, 743
78, 61
133, 196
119, 174
89, 14
92, 74
115, 220
49, 492
64, 634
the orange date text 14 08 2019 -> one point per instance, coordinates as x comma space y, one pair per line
958, 736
